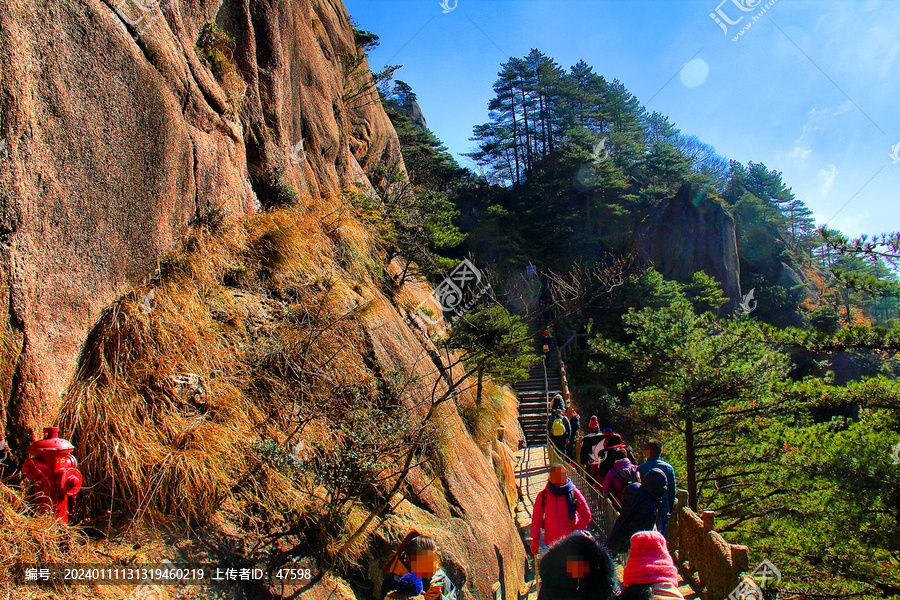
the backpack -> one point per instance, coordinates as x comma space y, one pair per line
558, 428
629, 476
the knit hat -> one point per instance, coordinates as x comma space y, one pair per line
649, 561
558, 403
594, 425
607, 430
409, 585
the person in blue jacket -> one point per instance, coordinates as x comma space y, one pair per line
417, 556
652, 452
654, 484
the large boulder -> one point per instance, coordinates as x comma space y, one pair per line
694, 232
465, 503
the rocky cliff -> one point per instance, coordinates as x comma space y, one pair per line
694, 232
120, 130
127, 125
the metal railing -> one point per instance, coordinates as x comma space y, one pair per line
603, 513
569, 348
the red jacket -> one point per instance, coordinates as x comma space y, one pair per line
551, 513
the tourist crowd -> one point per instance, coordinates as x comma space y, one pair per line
571, 563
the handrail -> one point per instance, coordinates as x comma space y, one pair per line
564, 350
571, 346
603, 512
563, 380
713, 567
546, 385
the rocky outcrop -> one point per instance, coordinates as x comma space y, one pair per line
125, 120
694, 232
413, 112
118, 134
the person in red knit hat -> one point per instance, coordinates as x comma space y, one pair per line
650, 573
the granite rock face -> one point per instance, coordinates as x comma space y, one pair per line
117, 134
693, 232
120, 128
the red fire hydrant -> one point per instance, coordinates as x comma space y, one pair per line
51, 464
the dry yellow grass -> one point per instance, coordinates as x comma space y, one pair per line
498, 406
274, 315
279, 337
26, 538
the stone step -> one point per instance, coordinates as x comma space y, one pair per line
531, 394
535, 417
533, 410
535, 434
538, 386
538, 398
538, 381
532, 387
542, 402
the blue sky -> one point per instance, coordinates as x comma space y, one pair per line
811, 88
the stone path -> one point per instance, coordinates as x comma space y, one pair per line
531, 474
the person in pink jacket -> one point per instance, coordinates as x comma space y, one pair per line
622, 474
559, 509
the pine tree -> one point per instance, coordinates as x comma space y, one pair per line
588, 99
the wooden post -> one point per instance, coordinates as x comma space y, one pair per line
740, 559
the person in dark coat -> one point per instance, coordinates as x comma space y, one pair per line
599, 456
591, 439
638, 514
654, 485
577, 568
574, 426
613, 451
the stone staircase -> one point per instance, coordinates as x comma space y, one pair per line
533, 397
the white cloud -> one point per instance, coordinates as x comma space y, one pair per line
803, 144
799, 152
843, 108
827, 177
801, 149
